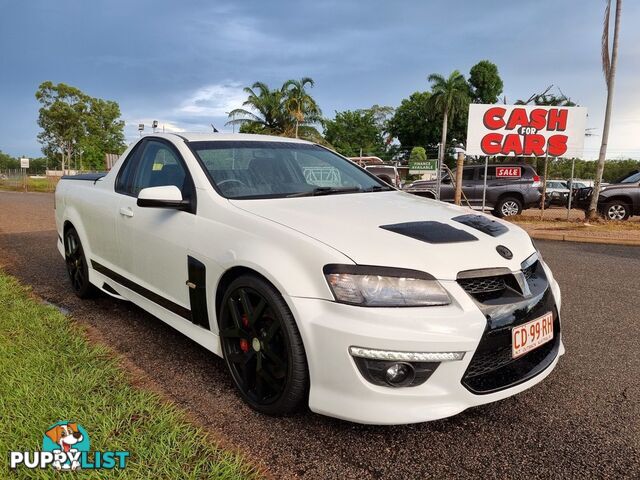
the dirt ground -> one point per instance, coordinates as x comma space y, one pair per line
554, 221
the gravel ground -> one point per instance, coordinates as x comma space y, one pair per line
581, 422
560, 213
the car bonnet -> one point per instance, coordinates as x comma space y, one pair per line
400, 230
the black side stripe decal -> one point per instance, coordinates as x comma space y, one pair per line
198, 292
148, 294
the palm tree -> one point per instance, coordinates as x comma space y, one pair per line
448, 96
299, 104
546, 98
268, 105
609, 69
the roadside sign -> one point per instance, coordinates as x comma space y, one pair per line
526, 130
24, 163
508, 172
423, 167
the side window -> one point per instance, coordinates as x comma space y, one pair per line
158, 166
491, 173
125, 175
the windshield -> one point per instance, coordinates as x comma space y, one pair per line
250, 169
634, 178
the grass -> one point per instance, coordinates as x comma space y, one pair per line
598, 225
16, 184
49, 371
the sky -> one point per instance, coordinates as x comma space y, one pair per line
184, 63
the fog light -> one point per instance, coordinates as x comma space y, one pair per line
396, 374
399, 374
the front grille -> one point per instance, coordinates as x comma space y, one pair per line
492, 367
490, 288
478, 285
530, 270
487, 361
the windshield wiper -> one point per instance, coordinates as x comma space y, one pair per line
377, 188
326, 191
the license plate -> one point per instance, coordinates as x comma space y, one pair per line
531, 335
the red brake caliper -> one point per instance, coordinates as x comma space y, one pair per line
244, 343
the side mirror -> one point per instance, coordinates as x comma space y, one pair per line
168, 196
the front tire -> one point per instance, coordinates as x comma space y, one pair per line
508, 207
262, 347
77, 267
617, 210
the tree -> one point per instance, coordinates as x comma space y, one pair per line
485, 82
61, 118
104, 133
354, 130
548, 99
418, 154
77, 125
286, 111
609, 64
299, 104
412, 124
269, 118
448, 96
7, 162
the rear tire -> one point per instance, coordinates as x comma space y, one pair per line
262, 347
77, 267
508, 207
617, 211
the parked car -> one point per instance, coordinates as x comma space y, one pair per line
511, 188
576, 184
557, 193
386, 173
617, 200
363, 302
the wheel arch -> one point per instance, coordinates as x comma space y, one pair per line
516, 195
228, 277
66, 226
619, 198
73, 220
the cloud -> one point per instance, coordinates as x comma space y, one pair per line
200, 108
213, 100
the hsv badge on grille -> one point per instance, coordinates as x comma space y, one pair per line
504, 252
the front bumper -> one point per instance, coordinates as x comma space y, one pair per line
339, 390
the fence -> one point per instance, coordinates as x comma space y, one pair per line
15, 180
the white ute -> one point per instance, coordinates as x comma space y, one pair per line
318, 283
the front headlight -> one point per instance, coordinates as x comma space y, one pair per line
384, 287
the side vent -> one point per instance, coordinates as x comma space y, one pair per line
197, 284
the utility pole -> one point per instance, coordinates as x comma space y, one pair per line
439, 172
459, 166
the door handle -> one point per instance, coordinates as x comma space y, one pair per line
126, 211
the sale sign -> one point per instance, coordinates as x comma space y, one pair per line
508, 172
526, 131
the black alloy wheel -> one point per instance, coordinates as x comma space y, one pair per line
77, 267
262, 347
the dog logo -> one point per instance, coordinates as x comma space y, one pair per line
71, 440
66, 447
